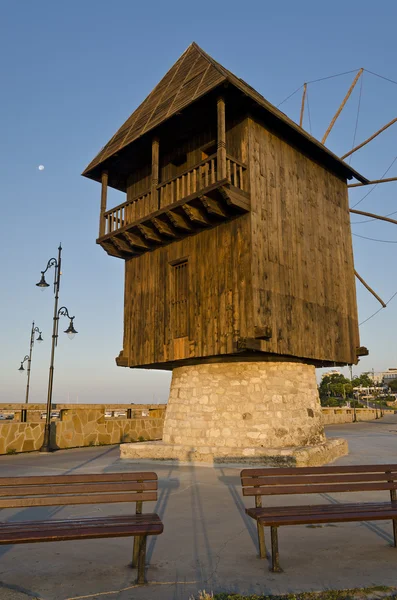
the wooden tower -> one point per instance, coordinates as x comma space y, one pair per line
235, 231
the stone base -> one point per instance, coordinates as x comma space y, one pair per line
306, 456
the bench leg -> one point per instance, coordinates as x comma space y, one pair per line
135, 551
275, 558
141, 560
395, 532
261, 540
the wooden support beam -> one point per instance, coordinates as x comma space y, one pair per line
178, 220
195, 215
221, 141
373, 216
263, 333
345, 99
365, 284
155, 171
255, 344
352, 185
163, 228
303, 105
213, 207
369, 139
362, 351
122, 245
104, 193
135, 240
235, 199
149, 234
111, 249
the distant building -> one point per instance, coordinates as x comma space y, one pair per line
383, 377
332, 372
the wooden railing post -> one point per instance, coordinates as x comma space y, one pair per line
155, 171
104, 193
221, 146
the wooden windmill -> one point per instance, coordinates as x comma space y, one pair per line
229, 226
235, 230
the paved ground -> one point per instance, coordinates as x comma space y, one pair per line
207, 543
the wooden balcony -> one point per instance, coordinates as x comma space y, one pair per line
181, 206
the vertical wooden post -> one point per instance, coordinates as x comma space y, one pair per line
155, 172
104, 194
141, 560
393, 498
221, 146
275, 556
261, 530
137, 538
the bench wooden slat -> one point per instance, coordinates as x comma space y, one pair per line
317, 488
353, 507
142, 523
81, 499
328, 518
77, 478
77, 488
143, 519
271, 472
309, 480
81, 531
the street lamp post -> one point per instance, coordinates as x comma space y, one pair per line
39, 339
354, 400
63, 311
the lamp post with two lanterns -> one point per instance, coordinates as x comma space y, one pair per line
70, 331
28, 358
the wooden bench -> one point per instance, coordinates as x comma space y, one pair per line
67, 490
317, 480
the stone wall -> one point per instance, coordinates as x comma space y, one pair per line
20, 437
332, 416
90, 428
80, 425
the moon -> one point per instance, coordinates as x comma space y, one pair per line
41, 167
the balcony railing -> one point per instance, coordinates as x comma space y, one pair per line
195, 179
191, 181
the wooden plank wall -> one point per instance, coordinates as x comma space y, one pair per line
220, 296
302, 265
140, 180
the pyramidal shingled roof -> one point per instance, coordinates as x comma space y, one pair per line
194, 74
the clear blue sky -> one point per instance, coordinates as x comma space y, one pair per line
72, 72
